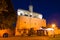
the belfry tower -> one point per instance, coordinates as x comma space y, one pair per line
7, 14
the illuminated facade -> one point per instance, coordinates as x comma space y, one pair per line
27, 20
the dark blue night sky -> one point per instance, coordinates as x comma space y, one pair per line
49, 8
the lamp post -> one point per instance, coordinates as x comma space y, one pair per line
53, 25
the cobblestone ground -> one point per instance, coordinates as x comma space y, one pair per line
26, 38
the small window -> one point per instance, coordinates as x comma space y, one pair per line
24, 22
21, 14
26, 15
30, 15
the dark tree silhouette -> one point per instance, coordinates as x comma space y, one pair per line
7, 14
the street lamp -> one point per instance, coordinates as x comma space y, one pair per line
53, 25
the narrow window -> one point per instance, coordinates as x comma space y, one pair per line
26, 15
30, 15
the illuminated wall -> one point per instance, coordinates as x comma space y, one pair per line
24, 22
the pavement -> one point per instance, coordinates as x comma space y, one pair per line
27, 38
